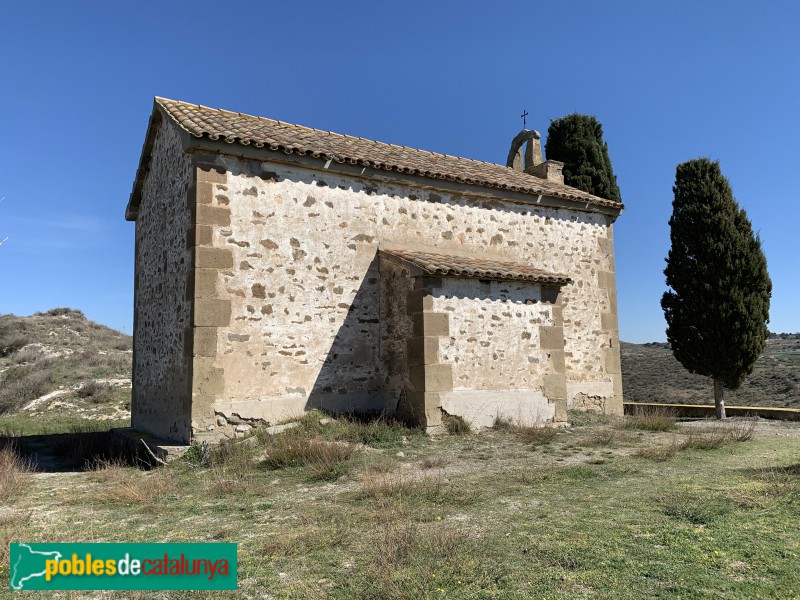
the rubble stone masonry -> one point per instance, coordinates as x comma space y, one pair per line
290, 296
262, 291
163, 296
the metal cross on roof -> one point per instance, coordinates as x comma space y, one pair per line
524, 122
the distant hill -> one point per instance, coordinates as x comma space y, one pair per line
61, 362
650, 373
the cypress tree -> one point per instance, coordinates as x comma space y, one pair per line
717, 309
577, 141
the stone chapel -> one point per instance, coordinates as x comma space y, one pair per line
281, 268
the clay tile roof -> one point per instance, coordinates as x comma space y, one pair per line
477, 268
237, 128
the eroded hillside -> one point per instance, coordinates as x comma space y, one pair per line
650, 373
60, 362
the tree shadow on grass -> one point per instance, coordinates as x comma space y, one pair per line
767, 472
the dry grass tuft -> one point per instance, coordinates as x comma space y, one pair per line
432, 462
781, 482
502, 424
659, 453
602, 438
709, 438
231, 465
535, 475
235, 454
697, 509
379, 463
14, 472
148, 489
322, 459
742, 431
455, 425
658, 419
389, 490
394, 543
536, 435
368, 429
716, 436
131, 486
406, 560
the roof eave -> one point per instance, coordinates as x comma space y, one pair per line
321, 161
156, 118
417, 269
325, 163
540, 280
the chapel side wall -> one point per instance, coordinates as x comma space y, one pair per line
304, 287
160, 403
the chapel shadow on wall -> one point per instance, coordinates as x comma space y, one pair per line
349, 381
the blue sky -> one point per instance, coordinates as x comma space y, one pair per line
669, 80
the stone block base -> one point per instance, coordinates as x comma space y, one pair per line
133, 442
480, 408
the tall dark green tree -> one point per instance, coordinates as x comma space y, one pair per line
717, 308
577, 141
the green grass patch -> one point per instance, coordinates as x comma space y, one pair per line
369, 430
486, 518
24, 425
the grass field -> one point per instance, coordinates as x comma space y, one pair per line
605, 509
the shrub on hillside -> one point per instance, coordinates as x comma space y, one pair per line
20, 385
11, 343
90, 388
29, 354
62, 311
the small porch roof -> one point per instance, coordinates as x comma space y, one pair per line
446, 265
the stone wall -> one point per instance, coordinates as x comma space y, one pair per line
494, 333
495, 351
301, 278
162, 303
